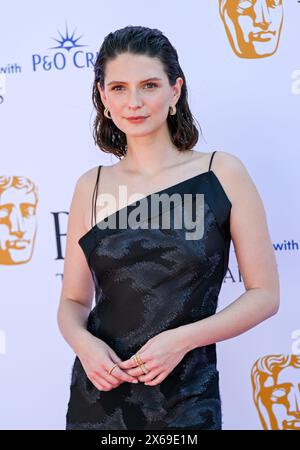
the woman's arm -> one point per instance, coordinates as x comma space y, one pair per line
77, 288
77, 297
255, 256
72, 319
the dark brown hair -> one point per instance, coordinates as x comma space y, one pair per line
150, 42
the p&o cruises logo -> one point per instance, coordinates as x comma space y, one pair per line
68, 51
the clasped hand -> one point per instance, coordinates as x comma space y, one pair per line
160, 355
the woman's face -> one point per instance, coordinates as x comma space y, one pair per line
136, 85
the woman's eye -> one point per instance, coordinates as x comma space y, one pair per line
119, 86
153, 84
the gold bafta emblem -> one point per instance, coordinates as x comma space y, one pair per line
253, 27
276, 391
18, 204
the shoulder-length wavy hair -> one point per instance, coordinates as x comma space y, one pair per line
149, 42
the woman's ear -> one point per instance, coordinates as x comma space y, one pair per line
102, 93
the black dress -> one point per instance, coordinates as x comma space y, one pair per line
148, 281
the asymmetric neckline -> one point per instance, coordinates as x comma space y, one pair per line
168, 188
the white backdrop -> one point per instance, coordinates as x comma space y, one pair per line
246, 105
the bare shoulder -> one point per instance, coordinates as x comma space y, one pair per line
239, 186
88, 178
83, 194
226, 161
233, 175
85, 184
228, 164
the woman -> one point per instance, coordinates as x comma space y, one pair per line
146, 353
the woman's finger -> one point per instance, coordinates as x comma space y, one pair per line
116, 374
156, 380
132, 362
116, 359
100, 384
137, 371
149, 376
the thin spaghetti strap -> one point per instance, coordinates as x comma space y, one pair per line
94, 198
211, 159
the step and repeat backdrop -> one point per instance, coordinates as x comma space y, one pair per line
241, 60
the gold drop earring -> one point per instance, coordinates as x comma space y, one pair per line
106, 113
172, 110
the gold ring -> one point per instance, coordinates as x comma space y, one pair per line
140, 363
143, 367
138, 359
112, 368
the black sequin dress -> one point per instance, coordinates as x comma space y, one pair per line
148, 281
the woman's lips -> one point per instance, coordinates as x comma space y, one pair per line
140, 120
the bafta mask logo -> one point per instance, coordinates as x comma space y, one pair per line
253, 27
18, 204
276, 391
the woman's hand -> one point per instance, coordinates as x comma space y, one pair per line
97, 358
160, 355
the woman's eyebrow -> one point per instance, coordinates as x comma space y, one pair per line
124, 82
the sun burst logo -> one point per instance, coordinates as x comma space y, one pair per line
67, 42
